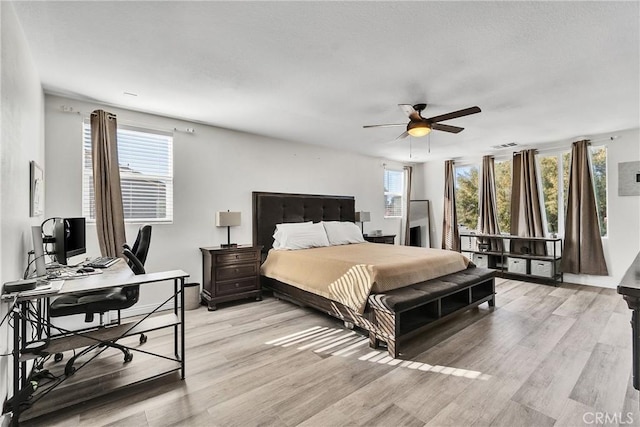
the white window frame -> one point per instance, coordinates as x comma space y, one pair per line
87, 170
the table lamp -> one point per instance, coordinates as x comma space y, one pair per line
363, 217
228, 219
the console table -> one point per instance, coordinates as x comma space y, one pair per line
629, 288
478, 248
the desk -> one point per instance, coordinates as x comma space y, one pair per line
629, 288
119, 275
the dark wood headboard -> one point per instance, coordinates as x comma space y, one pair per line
270, 209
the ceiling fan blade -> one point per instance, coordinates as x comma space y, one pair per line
446, 128
384, 126
402, 135
454, 114
410, 111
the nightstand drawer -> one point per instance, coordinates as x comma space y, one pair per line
237, 257
236, 286
236, 271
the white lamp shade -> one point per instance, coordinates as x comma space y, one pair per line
227, 219
363, 216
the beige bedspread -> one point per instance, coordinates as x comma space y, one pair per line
349, 273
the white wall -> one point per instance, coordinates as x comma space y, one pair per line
623, 241
22, 140
214, 169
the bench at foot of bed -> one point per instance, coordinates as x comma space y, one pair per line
403, 313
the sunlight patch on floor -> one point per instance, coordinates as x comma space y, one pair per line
343, 343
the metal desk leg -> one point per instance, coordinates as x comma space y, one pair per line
16, 366
175, 311
635, 326
23, 341
182, 323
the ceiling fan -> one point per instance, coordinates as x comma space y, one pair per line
419, 126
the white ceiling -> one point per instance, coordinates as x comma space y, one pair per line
316, 72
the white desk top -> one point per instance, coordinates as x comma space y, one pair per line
118, 274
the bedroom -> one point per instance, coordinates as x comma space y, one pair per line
217, 167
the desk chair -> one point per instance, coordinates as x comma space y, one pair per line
117, 298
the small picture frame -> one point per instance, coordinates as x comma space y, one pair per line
36, 191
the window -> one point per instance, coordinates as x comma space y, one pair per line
599, 169
503, 194
393, 193
549, 168
146, 174
467, 195
554, 177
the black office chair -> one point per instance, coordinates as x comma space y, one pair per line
118, 298
141, 246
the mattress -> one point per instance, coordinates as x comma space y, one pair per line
348, 274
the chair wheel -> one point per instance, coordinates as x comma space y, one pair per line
128, 357
143, 338
58, 357
69, 369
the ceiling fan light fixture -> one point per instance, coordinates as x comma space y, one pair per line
418, 129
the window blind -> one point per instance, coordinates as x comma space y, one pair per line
146, 174
393, 193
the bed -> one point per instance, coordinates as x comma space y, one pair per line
390, 316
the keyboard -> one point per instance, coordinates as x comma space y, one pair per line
102, 262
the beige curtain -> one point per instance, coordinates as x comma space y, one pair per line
450, 234
408, 172
526, 209
106, 183
488, 221
583, 252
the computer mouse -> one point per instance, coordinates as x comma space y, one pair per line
86, 270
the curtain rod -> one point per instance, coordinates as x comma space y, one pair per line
138, 124
134, 123
109, 115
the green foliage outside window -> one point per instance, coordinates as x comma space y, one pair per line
467, 195
549, 179
467, 182
599, 169
503, 194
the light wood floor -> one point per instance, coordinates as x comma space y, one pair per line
545, 356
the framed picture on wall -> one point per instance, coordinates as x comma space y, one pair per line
36, 190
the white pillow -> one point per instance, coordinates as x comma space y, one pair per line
299, 236
287, 226
342, 233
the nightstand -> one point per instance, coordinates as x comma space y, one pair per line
389, 239
230, 273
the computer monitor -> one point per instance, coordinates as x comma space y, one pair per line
70, 238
